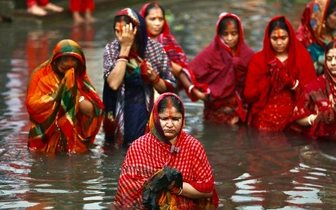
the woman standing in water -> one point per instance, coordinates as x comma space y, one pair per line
64, 109
166, 151
134, 68
158, 30
223, 66
315, 111
317, 29
276, 77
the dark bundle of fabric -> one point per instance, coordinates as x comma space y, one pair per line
157, 187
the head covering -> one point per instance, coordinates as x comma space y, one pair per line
312, 22
214, 65
140, 23
154, 121
298, 65
165, 29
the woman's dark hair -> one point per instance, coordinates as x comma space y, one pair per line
224, 23
330, 46
175, 102
151, 6
279, 23
331, 8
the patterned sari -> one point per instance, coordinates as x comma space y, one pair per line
149, 154
309, 32
224, 72
271, 103
127, 109
53, 105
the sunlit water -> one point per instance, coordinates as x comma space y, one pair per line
252, 170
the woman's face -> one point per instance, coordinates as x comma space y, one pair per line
155, 21
230, 34
65, 63
279, 40
331, 21
331, 61
171, 122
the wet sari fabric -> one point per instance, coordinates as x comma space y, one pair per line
176, 54
310, 32
128, 108
224, 72
318, 98
151, 153
271, 103
53, 105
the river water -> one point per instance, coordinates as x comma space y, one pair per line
252, 170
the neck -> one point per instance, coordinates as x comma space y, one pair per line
327, 33
282, 56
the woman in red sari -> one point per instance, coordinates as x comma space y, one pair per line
317, 29
158, 30
64, 109
78, 7
223, 66
315, 112
276, 76
167, 146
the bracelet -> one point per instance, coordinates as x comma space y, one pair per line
81, 99
309, 119
190, 88
122, 59
157, 80
180, 192
296, 84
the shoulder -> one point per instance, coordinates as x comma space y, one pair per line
191, 141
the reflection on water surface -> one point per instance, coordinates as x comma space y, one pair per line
252, 170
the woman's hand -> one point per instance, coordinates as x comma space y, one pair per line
126, 35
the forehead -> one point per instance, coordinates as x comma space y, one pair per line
170, 110
120, 24
156, 11
230, 26
279, 31
332, 52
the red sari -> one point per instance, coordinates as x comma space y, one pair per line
318, 98
151, 153
81, 5
271, 103
176, 54
224, 72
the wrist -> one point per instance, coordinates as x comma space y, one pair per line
296, 83
311, 119
156, 80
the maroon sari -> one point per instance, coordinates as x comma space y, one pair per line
224, 72
271, 104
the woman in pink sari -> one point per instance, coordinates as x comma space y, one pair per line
223, 66
315, 111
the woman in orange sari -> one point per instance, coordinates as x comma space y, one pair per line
65, 111
276, 76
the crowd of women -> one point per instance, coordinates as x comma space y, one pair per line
290, 84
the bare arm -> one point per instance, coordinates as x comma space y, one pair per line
126, 39
190, 192
306, 121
